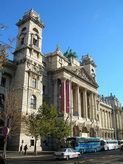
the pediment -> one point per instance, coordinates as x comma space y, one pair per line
82, 73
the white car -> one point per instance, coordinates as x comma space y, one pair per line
66, 153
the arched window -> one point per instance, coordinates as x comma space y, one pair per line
23, 29
34, 29
33, 102
35, 42
35, 37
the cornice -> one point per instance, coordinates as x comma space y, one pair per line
40, 24
61, 69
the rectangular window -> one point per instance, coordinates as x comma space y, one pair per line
34, 83
31, 142
44, 89
3, 82
33, 102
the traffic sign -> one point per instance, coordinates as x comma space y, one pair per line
5, 131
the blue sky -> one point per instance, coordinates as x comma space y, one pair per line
92, 27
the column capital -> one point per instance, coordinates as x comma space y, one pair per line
63, 79
76, 86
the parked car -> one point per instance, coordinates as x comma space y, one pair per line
66, 153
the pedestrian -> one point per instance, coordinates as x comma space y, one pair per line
25, 149
21, 149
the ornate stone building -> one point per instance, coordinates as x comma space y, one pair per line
65, 82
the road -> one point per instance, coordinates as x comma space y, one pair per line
103, 157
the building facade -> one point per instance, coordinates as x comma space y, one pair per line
65, 82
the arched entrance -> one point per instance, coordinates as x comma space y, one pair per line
85, 132
92, 133
75, 131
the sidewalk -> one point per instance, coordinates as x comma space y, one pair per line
16, 154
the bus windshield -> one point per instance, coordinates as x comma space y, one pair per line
71, 142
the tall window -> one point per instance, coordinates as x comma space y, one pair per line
22, 41
3, 82
2, 100
35, 37
33, 102
34, 83
35, 41
31, 142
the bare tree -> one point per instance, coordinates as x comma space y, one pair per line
11, 116
5, 48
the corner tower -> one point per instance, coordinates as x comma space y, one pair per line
28, 76
29, 38
89, 65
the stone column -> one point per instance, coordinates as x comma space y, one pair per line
56, 93
109, 120
101, 112
92, 106
81, 104
79, 108
0, 77
89, 105
120, 122
77, 101
95, 109
71, 107
102, 118
85, 103
68, 96
71, 98
63, 95
105, 119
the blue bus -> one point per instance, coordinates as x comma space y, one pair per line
84, 144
